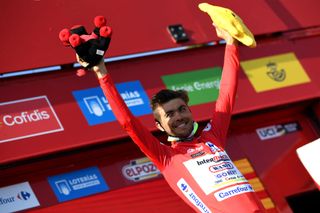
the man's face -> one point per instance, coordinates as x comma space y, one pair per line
175, 118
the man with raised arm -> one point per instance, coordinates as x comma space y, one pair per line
196, 165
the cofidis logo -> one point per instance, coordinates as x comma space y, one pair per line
78, 184
26, 118
17, 197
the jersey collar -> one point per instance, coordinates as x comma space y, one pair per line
189, 138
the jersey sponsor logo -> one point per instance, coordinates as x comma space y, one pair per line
232, 191
27, 118
140, 169
17, 197
213, 147
214, 158
197, 154
192, 150
192, 196
78, 184
220, 167
213, 172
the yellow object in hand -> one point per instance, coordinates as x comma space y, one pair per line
227, 20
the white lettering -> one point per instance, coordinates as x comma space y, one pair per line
25, 117
233, 191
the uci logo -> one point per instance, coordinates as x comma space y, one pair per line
270, 132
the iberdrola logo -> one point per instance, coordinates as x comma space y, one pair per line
274, 73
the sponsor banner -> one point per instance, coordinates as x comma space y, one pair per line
140, 169
192, 196
232, 191
202, 85
27, 118
214, 171
77, 184
17, 197
275, 72
278, 130
97, 110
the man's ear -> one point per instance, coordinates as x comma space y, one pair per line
158, 125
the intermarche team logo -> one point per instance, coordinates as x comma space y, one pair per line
202, 85
275, 72
26, 118
78, 184
17, 197
96, 107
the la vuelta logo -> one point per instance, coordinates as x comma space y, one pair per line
27, 118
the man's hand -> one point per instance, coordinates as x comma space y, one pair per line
100, 69
225, 36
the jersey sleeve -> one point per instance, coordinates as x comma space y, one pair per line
149, 144
228, 86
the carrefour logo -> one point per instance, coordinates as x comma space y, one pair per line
233, 191
17, 197
23, 195
192, 196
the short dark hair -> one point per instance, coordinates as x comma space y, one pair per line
166, 95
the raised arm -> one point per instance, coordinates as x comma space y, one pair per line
228, 87
148, 144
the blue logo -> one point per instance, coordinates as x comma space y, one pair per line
97, 110
184, 187
78, 184
23, 195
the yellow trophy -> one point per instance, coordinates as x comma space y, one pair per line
226, 19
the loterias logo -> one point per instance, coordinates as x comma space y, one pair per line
96, 107
17, 197
78, 184
26, 118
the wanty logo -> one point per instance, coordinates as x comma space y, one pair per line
274, 73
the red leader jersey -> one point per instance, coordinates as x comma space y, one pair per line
198, 170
